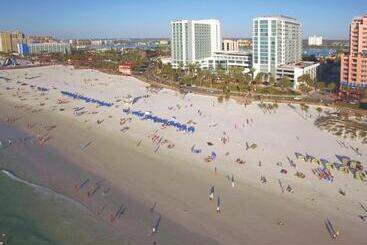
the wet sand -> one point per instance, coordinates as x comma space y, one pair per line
46, 166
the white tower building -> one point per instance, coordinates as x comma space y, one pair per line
194, 40
277, 40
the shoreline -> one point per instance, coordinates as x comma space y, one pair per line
68, 168
179, 181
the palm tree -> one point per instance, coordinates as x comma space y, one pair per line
212, 78
331, 87
205, 75
237, 74
320, 85
306, 80
271, 79
191, 69
252, 72
285, 82
158, 65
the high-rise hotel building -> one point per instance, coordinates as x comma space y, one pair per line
277, 40
354, 63
193, 41
10, 40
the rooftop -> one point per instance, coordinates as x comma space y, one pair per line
278, 17
302, 64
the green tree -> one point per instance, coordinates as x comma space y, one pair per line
320, 85
303, 88
331, 87
364, 94
259, 78
306, 80
237, 74
191, 70
252, 73
271, 79
285, 82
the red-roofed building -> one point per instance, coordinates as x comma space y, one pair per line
125, 69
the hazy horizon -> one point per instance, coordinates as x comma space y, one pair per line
129, 19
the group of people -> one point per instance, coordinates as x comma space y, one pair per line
42, 89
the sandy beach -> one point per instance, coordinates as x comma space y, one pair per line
119, 166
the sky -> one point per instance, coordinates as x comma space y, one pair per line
68, 19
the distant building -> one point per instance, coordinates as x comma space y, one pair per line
163, 42
193, 41
96, 42
244, 44
294, 71
236, 45
315, 41
80, 42
230, 45
276, 41
48, 48
354, 63
9, 41
41, 39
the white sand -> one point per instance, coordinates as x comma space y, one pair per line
278, 134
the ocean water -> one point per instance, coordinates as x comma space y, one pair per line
30, 214
318, 52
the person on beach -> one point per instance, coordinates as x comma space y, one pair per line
232, 181
218, 205
211, 193
263, 179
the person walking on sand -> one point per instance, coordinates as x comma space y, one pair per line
218, 205
232, 181
211, 193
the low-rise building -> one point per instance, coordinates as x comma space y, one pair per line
125, 69
41, 39
163, 42
222, 58
96, 42
40, 48
315, 41
227, 59
294, 71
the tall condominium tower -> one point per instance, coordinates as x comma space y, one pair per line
277, 40
10, 40
354, 63
194, 40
